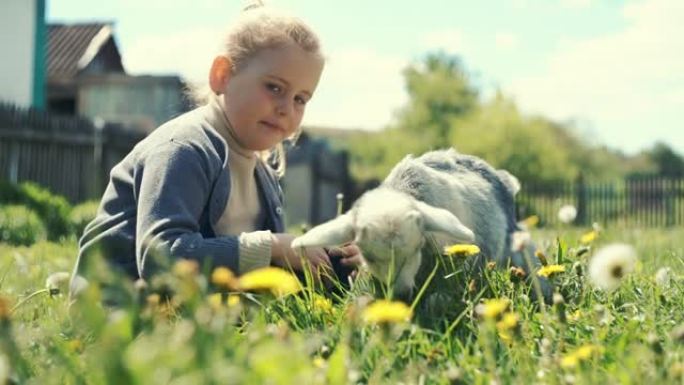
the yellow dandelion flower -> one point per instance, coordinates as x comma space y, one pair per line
589, 237
461, 250
277, 281
582, 353
185, 268
569, 361
153, 299
550, 270
233, 300
75, 345
585, 352
322, 304
384, 311
576, 315
531, 221
492, 308
224, 278
508, 321
215, 301
319, 362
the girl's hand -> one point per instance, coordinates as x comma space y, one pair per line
283, 255
350, 255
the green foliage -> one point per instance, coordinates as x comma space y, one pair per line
668, 162
444, 110
532, 149
52, 209
81, 215
439, 90
20, 225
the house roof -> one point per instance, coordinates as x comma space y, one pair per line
72, 46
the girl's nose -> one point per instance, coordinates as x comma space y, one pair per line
283, 107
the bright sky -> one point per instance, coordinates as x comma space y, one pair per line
614, 68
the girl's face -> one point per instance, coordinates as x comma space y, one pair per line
265, 98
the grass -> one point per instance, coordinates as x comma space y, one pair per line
174, 331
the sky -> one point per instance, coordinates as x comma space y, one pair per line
613, 70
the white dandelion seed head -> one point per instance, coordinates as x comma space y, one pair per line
663, 277
57, 282
520, 240
596, 227
567, 213
78, 285
611, 264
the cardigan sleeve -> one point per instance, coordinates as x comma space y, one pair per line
173, 185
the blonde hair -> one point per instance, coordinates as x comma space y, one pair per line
259, 28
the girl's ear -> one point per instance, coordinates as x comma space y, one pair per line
221, 70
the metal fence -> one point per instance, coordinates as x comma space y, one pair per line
642, 201
70, 156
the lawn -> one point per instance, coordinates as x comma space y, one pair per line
190, 328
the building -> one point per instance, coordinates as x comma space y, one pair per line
22, 42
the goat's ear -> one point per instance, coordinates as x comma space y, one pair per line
334, 232
437, 219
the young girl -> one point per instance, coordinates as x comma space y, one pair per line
199, 187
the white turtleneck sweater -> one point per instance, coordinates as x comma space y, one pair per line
242, 213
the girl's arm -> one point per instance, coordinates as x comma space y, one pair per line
173, 185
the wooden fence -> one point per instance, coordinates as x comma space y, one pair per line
71, 156
643, 201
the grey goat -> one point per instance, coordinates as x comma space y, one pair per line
460, 198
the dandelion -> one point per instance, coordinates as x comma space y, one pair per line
507, 326
491, 265
277, 281
529, 222
520, 240
384, 311
461, 250
589, 237
567, 213
233, 300
575, 316
550, 270
319, 362
583, 353
215, 301
611, 264
663, 277
186, 268
57, 282
224, 278
492, 308
517, 273
77, 286
322, 304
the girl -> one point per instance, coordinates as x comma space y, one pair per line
200, 187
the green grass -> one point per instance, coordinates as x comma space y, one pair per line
294, 340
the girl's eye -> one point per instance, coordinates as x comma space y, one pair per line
300, 100
276, 89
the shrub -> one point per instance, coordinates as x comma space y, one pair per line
52, 209
20, 226
81, 215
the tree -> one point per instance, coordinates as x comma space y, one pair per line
668, 162
439, 90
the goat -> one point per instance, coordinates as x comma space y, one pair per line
460, 198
